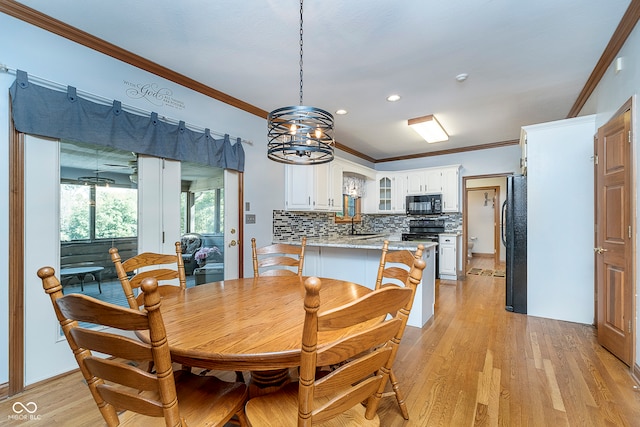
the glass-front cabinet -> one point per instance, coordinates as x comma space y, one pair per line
384, 198
391, 191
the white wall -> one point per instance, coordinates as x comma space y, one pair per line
56, 59
614, 90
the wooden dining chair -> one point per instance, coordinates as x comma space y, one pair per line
336, 399
278, 259
400, 268
171, 268
116, 383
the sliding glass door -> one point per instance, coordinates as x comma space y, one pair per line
98, 211
81, 200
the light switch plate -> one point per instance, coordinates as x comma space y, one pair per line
250, 219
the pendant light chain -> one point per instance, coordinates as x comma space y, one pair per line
300, 135
301, 1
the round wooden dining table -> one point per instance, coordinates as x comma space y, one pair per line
250, 324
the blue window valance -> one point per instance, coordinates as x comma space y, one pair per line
46, 112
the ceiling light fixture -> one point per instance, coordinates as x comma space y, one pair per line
300, 135
341, 112
429, 128
393, 98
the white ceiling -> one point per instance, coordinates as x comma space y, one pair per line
527, 60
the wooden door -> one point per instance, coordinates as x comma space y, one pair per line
614, 243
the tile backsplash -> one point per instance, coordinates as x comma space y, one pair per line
293, 225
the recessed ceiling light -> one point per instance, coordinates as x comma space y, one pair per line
393, 98
462, 77
341, 112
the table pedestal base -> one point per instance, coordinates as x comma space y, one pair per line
264, 382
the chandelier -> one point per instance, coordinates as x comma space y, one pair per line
300, 134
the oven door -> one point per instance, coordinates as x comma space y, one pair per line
422, 237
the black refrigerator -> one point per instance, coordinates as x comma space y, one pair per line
514, 237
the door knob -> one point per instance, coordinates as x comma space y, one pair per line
232, 243
599, 250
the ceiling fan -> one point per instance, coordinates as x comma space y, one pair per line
131, 164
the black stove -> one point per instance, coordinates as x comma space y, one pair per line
426, 230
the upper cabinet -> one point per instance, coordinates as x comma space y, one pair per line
451, 189
424, 181
299, 188
433, 180
322, 187
319, 187
390, 191
392, 187
416, 182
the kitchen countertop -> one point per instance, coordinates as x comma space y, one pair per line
360, 242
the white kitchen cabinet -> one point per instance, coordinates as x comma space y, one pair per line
299, 187
448, 247
321, 186
335, 186
424, 181
400, 200
416, 181
451, 189
433, 180
385, 192
316, 187
391, 190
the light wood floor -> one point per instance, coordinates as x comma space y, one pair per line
474, 364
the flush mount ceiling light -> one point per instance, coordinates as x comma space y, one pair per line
300, 135
429, 128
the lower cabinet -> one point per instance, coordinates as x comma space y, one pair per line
449, 248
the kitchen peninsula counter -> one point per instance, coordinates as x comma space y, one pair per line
359, 242
356, 258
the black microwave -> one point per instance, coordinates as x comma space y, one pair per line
424, 204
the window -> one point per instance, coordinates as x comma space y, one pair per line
75, 212
89, 212
353, 191
116, 212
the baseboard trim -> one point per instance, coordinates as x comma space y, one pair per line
4, 391
635, 373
